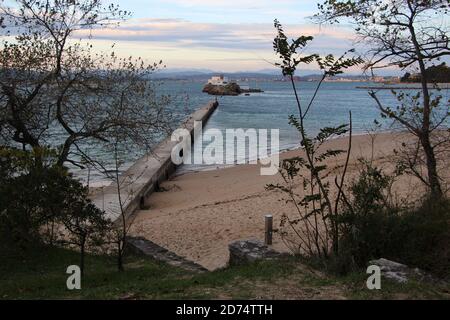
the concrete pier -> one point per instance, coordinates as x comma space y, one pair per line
145, 175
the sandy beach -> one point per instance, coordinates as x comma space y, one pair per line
198, 214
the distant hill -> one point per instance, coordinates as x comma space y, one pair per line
203, 75
262, 75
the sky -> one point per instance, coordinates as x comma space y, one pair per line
220, 35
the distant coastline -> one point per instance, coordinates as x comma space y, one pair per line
405, 86
263, 76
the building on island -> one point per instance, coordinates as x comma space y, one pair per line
219, 81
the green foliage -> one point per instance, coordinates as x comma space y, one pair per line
50, 84
40, 274
27, 193
421, 237
290, 54
86, 224
371, 190
333, 66
434, 74
315, 208
398, 34
366, 220
36, 201
374, 227
288, 51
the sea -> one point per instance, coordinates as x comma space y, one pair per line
269, 109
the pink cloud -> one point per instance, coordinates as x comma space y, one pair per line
245, 36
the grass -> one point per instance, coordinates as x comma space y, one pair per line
40, 274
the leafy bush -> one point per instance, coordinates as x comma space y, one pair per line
27, 191
373, 226
421, 237
364, 223
35, 197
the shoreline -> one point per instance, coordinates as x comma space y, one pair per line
181, 171
404, 86
198, 214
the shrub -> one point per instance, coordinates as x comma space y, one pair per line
26, 192
372, 226
421, 237
35, 197
364, 222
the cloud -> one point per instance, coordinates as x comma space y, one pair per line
225, 46
240, 4
225, 36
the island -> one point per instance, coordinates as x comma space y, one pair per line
220, 86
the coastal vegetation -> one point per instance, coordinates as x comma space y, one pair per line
318, 212
397, 36
436, 74
363, 221
335, 224
39, 273
50, 84
57, 98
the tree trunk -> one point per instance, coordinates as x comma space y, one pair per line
433, 177
82, 254
120, 257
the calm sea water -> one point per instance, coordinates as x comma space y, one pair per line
271, 109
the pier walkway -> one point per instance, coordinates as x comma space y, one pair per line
145, 175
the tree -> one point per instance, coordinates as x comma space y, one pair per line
43, 203
119, 147
87, 225
406, 77
317, 211
26, 194
439, 73
57, 91
436, 74
406, 34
